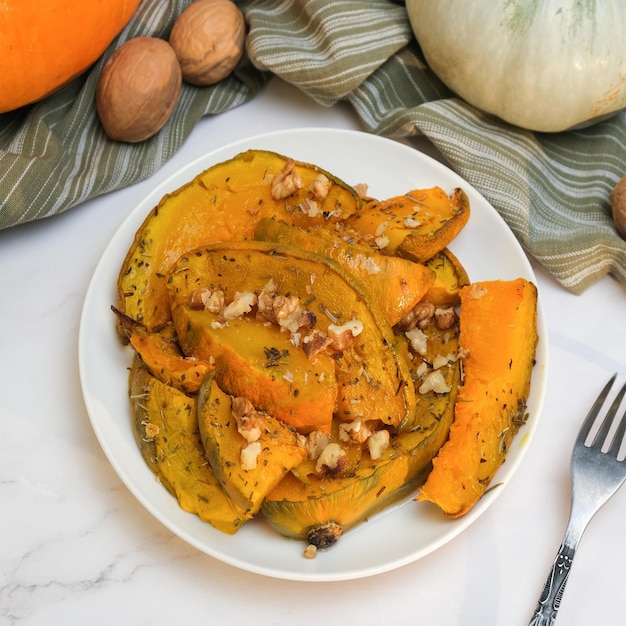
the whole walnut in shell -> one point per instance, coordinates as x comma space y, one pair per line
138, 89
209, 39
618, 206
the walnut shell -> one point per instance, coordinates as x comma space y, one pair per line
618, 206
208, 38
138, 89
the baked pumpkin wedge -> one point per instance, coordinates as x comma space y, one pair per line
321, 311
498, 336
415, 225
249, 451
396, 284
450, 276
319, 510
220, 204
166, 431
160, 353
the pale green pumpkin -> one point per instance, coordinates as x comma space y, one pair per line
546, 65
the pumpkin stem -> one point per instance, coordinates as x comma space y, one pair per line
324, 535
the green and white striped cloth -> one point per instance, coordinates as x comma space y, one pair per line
552, 189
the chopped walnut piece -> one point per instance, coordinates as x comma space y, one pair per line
310, 552
265, 308
445, 318
306, 320
342, 337
240, 407
314, 443
249, 423
265, 302
421, 315
287, 312
314, 342
418, 340
332, 461
434, 382
407, 322
286, 182
424, 313
195, 298
242, 304
270, 287
249, 455
320, 187
421, 369
356, 431
204, 298
440, 361
214, 302
377, 443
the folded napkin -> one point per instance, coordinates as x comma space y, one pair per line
551, 189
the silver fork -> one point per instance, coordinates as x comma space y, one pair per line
597, 474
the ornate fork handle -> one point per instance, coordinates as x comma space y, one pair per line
550, 600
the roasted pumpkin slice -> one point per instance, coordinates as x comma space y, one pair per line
498, 321
250, 452
416, 225
319, 510
450, 278
222, 203
166, 430
256, 360
160, 353
339, 322
396, 284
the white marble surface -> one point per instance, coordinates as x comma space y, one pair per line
77, 548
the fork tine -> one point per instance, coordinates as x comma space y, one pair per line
618, 437
583, 433
603, 431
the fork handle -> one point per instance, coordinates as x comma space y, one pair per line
550, 600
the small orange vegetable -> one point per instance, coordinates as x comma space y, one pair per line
47, 43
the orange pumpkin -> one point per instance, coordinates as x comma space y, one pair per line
47, 43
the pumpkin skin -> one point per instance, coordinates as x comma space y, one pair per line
544, 66
47, 43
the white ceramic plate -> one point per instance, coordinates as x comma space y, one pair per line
486, 247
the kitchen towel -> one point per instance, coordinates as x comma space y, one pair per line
551, 189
